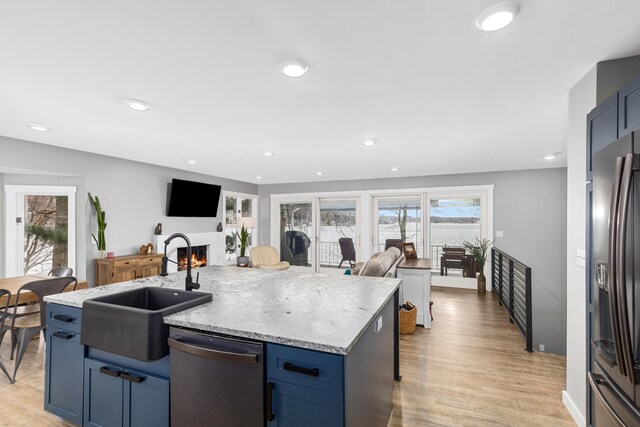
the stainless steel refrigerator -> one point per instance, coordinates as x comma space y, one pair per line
614, 377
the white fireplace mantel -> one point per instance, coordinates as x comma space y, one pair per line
215, 252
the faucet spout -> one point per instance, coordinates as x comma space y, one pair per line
189, 284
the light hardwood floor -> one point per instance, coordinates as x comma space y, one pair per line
469, 370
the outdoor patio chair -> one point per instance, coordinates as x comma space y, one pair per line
348, 251
395, 243
28, 320
61, 272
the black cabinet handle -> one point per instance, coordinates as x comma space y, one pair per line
133, 378
63, 318
105, 370
63, 335
270, 415
313, 372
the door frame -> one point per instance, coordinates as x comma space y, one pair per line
13, 195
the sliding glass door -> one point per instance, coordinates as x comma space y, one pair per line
338, 234
397, 219
297, 234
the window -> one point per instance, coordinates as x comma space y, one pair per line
40, 228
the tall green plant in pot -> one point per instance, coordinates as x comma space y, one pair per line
243, 237
480, 251
102, 225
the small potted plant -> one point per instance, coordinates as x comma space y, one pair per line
243, 237
480, 250
101, 218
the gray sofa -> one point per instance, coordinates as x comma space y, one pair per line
382, 264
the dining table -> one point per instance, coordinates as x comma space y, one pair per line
12, 284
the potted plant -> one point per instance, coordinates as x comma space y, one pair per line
480, 250
243, 237
101, 217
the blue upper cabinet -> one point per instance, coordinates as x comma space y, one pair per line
602, 128
629, 107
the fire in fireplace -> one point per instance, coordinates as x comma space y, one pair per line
198, 257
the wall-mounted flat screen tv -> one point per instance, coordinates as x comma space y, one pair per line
193, 199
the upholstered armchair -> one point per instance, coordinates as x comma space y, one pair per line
267, 257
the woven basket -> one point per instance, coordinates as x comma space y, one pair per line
408, 320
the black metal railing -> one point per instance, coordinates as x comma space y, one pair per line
511, 280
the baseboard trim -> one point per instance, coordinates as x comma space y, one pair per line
575, 413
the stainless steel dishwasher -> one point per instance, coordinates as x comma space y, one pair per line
215, 381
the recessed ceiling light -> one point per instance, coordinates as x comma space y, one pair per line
192, 162
368, 142
258, 177
267, 153
394, 169
137, 104
39, 127
497, 16
294, 68
550, 157
319, 173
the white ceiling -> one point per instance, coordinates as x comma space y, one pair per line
438, 95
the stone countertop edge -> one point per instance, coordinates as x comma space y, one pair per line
308, 297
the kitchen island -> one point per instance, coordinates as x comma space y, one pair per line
343, 324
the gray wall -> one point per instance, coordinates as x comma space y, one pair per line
133, 195
529, 207
613, 75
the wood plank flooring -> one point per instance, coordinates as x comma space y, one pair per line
469, 370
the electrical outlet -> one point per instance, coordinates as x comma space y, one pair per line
541, 347
499, 233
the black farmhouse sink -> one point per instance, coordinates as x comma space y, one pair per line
130, 323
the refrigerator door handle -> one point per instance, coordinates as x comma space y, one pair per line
611, 261
596, 382
621, 267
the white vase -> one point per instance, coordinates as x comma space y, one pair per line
102, 254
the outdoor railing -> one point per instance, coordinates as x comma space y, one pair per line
330, 254
511, 280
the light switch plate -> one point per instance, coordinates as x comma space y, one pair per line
581, 253
378, 324
581, 262
499, 233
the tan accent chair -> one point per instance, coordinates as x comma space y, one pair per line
267, 257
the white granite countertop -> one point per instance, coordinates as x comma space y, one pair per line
308, 310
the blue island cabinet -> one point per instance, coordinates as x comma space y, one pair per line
64, 362
314, 388
115, 395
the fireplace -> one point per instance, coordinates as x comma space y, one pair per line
198, 257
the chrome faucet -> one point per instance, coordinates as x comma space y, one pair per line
189, 284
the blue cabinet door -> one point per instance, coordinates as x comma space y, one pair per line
63, 374
629, 107
602, 128
294, 406
103, 394
146, 400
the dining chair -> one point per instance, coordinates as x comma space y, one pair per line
7, 296
61, 272
29, 320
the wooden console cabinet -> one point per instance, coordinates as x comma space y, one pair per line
130, 267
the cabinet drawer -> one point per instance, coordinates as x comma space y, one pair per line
125, 263
151, 260
64, 317
308, 368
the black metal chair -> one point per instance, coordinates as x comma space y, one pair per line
393, 243
7, 295
348, 251
28, 320
61, 272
